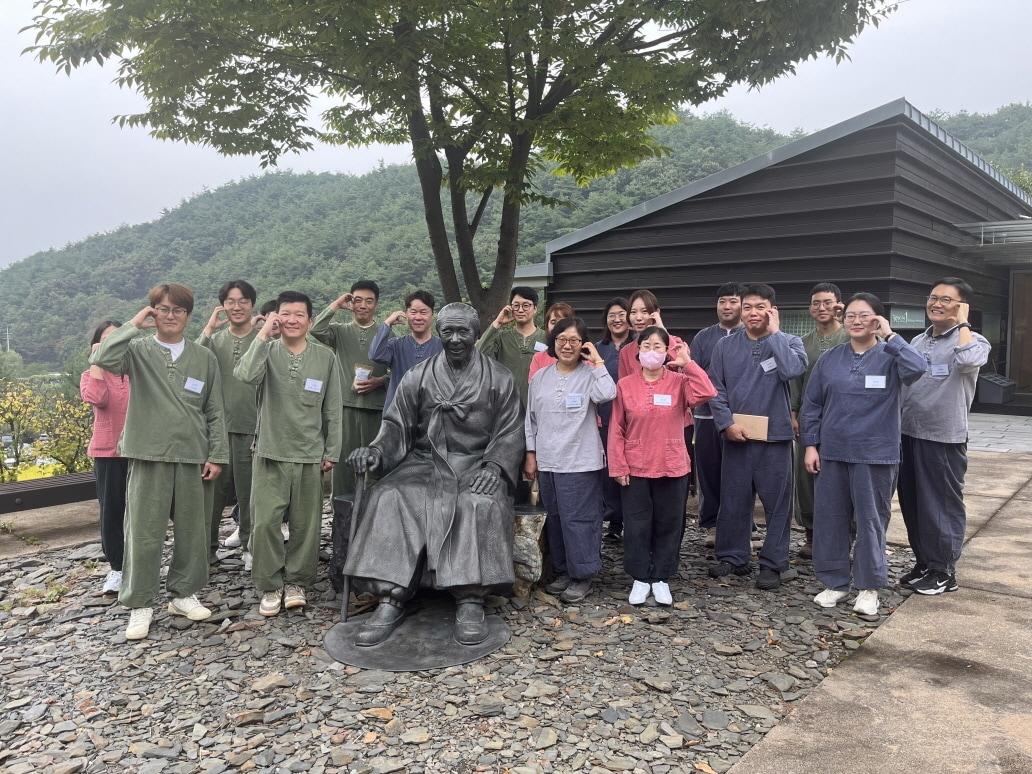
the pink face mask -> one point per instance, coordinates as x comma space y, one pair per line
652, 360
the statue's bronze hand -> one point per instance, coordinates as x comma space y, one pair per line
365, 458
486, 481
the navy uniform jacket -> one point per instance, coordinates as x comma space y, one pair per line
851, 409
752, 377
702, 347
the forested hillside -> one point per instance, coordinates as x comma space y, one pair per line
317, 233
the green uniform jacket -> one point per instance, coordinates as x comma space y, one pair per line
175, 410
350, 342
815, 346
514, 352
240, 398
299, 401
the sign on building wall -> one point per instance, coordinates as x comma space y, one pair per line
907, 317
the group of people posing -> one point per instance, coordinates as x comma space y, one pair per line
267, 400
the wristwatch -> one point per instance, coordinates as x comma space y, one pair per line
964, 325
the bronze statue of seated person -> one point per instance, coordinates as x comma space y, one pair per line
448, 454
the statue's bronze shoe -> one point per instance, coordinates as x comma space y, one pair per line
378, 627
470, 623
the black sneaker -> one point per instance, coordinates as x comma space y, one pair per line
558, 584
768, 579
916, 573
935, 582
722, 569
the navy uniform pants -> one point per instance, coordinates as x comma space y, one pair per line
709, 443
844, 493
612, 508
574, 523
765, 470
931, 497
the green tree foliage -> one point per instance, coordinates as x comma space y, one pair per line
1004, 137
486, 93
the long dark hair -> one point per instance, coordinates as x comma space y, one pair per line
99, 330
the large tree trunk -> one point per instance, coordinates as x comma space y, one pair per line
509, 230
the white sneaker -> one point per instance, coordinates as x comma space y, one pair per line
830, 597
248, 560
294, 596
866, 602
711, 537
285, 529
113, 582
639, 593
190, 607
233, 541
139, 623
270, 604
661, 593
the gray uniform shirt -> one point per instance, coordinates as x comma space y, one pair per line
561, 425
935, 407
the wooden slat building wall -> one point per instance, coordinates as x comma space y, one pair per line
869, 204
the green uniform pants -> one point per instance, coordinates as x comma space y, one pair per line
155, 491
804, 490
358, 428
294, 487
235, 477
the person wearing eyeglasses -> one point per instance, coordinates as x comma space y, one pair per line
565, 454
228, 333
709, 443
826, 311
616, 335
752, 372
513, 337
850, 429
935, 431
176, 443
399, 354
648, 458
560, 310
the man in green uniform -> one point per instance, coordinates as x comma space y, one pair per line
514, 346
825, 309
362, 380
229, 342
298, 439
175, 441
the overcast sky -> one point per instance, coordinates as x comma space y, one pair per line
68, 172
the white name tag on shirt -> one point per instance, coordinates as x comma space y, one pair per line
574, 400
194, 385
874, 382
540, 346
940, 369
768, 365
660, 399
313, 385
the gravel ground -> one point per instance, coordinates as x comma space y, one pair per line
597, 687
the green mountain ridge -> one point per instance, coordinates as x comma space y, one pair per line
319, 232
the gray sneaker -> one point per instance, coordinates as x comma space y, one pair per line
576, 591
558, 584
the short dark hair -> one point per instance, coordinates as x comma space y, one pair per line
872, 300
526, 292
268, 306
729, 289
180, 295
647, 297
619, 301
964, 289
565, 324
420, 295
766, 292
367, 285
559, 307
294, 297
828, 287
246, 290
103, 326
655, 329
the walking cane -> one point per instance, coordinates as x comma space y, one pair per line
360, 485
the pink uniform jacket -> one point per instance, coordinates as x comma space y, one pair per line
646, 431
540, 360
110, 398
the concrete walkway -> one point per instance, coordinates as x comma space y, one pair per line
945, 685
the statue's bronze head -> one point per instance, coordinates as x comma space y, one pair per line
458, 325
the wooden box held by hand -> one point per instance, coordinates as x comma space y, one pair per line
755, 426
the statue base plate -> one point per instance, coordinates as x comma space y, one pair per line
424, 640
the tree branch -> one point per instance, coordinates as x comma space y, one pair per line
475, 223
